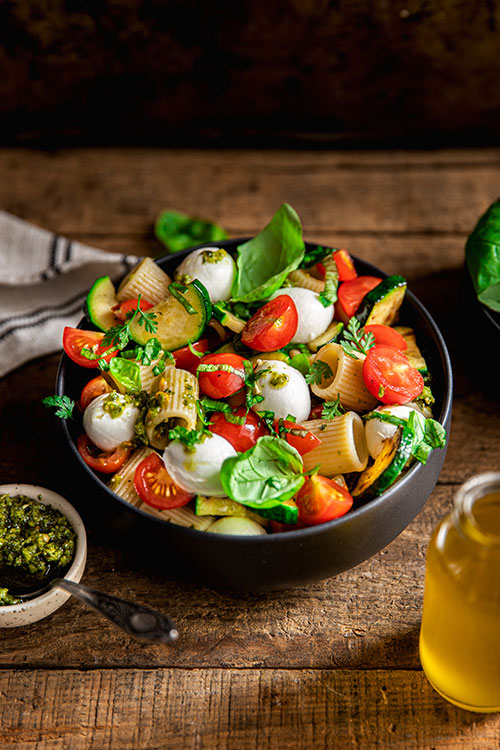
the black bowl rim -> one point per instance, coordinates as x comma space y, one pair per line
312, 531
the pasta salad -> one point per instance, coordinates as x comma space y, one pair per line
253, 394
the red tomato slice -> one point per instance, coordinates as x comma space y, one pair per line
74, 340
95, 387
345, 265
241, 436
321, 499
107, 462
186, 360
387, 336
389, 376
302, 443
124, 308
222, 383
273, 326
155, 486
351, 292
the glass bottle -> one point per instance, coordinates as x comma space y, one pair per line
460, 631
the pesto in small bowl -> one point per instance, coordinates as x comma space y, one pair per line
37, 542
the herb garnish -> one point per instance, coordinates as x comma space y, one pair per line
64, 404
329, 294
319, 371
119, 336
210, 404
311, 257
355, 339
332, 409
178, 291
189, 438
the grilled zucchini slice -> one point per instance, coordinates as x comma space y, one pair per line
100, 301
388, 465
381, 304
180, 318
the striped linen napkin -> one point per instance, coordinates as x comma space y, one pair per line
44, 279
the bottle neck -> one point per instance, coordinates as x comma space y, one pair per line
477, 509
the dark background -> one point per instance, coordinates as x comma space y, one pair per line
249, 72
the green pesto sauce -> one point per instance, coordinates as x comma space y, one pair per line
188, 398
213, 256
6, 599
278, 379
35, 538
115, 403
183, 278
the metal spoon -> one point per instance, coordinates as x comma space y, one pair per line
138, 621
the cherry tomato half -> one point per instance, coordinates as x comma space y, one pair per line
301, 442
241, 436
387, 336
223, 382
344, 263
107, 462
273, 325
74, 340
155, 486
351, 292
186, 360
321, 499
95, 387
128, 305
390, 377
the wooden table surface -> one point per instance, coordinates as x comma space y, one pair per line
330, 665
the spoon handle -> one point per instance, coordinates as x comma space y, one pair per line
138, 621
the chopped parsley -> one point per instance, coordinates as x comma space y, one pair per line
319, 371
332, 409
355, 340
64, 405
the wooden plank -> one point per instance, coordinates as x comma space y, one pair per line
90, 190
234, 710
368, 617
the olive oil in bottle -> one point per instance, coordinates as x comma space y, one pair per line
460, 632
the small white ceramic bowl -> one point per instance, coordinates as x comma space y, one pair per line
14, 615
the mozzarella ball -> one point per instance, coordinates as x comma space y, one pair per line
213, 267
377, 431
198, 471
236, 525
284, 389
313, 317
109, 420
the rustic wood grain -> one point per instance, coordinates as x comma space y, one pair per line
234, 710
242, 193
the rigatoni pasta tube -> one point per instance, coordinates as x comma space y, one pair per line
174, 403
146, 279
122, 483
346, 380
149, 381
304, 279
343, 445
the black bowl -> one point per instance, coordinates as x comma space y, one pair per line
293, 558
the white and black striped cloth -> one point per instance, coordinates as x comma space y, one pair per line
44, 279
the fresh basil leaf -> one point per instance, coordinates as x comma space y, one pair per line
301, 363
265, 261
268, 472
177, 230
126, 373
482, 254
